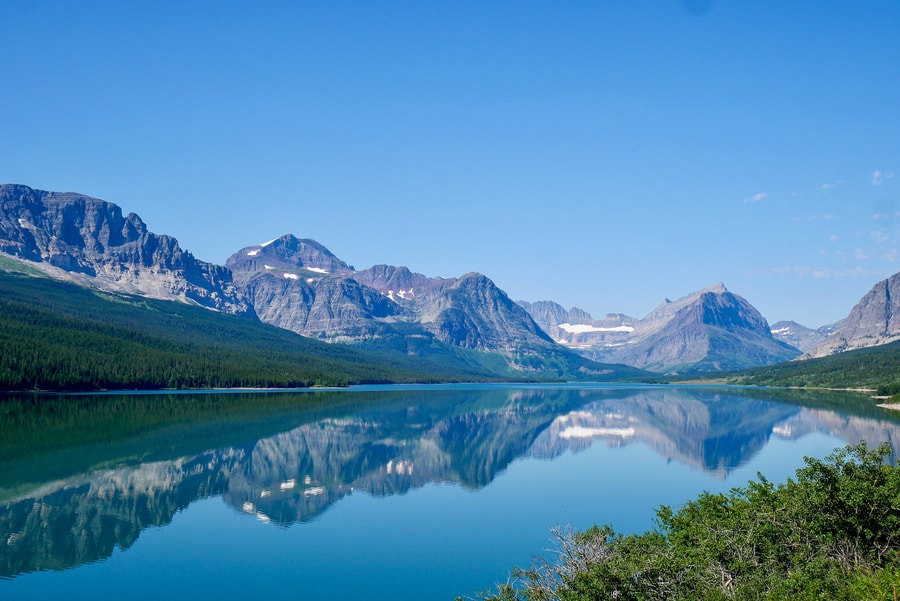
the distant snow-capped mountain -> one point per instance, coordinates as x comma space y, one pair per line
800, 336
711, 329
287, 282
299, 285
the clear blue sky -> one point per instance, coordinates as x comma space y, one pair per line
604, 154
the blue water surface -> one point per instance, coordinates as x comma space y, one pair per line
415, 493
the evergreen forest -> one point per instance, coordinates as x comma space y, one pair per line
58, 336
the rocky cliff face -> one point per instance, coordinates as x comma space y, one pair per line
546, 313
91, 242
288, 282
576, 329
286, 254
402, 285
708, 330
800, 336
875, 320
299, 285
331, 309
475, 314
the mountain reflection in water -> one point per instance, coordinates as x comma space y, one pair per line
55, 513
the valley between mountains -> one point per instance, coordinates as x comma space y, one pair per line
403, 326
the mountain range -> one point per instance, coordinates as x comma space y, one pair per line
299, 285
802, 337
715, 330
90, 242
710, 330
873, 321
290, 283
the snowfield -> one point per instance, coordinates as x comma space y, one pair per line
583, 328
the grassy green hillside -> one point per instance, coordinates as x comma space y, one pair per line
876, 368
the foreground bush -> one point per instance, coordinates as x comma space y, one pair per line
833, 532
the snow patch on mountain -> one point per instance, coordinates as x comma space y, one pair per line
583, 328
403, 294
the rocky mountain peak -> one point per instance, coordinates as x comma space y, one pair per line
287, 252
800, 336
402, 285
474, 313
666, 311
873, 321
731, 312
708, 329
546, 313
300, 285
59, 227
717, 288
90, 241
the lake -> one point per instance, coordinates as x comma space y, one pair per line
403, 492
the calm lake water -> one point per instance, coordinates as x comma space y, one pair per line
419, 492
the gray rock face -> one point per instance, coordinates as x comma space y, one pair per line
329, 308
708, 330
800, 336
576, 328
288, 282
547, 313
475, 314
93, 243
875, 320
402, 285
288, 254
299, 285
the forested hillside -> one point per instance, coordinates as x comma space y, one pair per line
58, 336
877, 368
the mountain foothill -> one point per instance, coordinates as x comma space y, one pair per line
462, 328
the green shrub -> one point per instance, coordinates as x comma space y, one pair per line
832, 532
